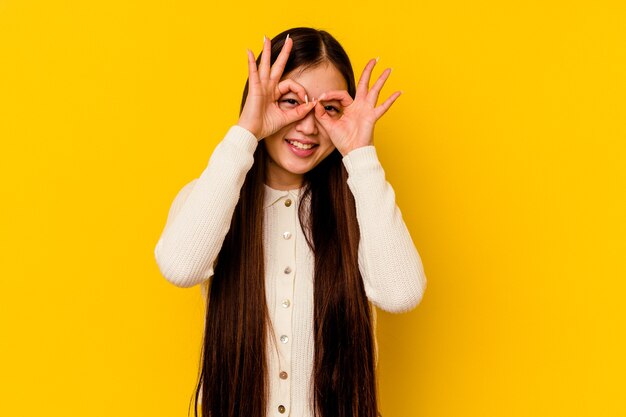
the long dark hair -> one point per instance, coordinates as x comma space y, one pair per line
233, 378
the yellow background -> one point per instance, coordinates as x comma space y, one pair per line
506, 152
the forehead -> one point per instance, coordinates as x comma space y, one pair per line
324, 77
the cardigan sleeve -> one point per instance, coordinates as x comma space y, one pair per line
391, 267
200, 215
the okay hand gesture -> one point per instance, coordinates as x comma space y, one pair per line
355, 126
261, 114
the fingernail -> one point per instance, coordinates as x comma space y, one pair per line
263, 39
306, 98
377, 58
322, 96
287, 38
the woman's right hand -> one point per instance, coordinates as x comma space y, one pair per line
261, 114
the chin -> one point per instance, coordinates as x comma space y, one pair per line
297, 167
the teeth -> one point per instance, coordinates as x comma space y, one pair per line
300, 145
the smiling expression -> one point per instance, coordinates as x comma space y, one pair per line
288, 162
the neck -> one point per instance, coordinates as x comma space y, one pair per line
283, 180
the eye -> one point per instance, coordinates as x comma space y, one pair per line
290, 101
331, 108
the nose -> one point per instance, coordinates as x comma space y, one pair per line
307, 125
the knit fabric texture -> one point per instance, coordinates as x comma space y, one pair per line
199, 219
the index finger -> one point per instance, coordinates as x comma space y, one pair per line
288, 85
342, 96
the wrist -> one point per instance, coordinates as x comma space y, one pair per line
362, 161
249, 129
346, 151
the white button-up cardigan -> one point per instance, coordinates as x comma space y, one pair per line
199, 219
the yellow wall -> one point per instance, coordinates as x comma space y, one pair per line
506, 152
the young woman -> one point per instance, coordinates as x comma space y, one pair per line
294, 234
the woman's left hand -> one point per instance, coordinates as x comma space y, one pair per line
354, 127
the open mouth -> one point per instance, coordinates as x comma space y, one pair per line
299, 149
300, 145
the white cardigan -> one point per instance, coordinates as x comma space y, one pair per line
199, 219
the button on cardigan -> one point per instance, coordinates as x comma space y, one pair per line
199, 218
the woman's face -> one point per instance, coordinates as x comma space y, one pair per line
287, 162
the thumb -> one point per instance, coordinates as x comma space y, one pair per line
322, 116
299, 111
